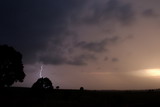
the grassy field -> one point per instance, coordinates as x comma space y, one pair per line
25, 97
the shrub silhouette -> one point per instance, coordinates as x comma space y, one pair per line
42, 84
57, 87
11, 67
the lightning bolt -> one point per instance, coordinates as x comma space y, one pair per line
40, 74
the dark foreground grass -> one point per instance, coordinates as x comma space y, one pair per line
25, 97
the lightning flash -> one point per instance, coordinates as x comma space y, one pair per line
40, 74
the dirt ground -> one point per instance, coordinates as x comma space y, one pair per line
26, 97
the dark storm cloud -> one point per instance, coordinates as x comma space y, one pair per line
28, 25
97, 46
113, 10
56, 60
106, 58
93, 46
149, 13
60, 60
61, 52
39, 28
115, 59
82, 59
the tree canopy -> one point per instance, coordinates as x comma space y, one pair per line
11, 66
43, 83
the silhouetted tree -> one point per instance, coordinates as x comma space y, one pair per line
11, 67
43, 83
81, 88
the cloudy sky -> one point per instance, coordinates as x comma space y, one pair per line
97, 44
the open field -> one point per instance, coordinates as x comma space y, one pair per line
25, 97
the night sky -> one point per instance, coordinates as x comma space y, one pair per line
97, 44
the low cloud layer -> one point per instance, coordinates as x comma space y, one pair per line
97, 46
